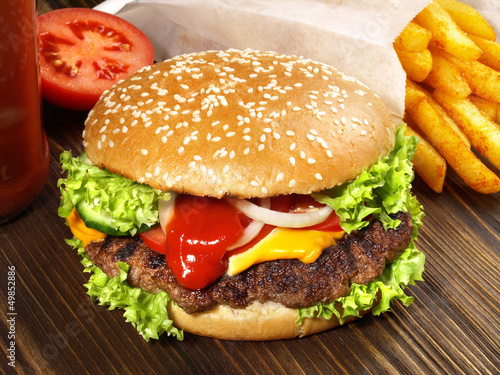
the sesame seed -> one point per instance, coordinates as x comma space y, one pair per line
292, 183
318, 176
144, 151
254, 183
292, 160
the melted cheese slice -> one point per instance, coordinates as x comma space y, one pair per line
81, 231
284, 243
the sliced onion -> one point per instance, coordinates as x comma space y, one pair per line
166, 210
281, 219
252, 229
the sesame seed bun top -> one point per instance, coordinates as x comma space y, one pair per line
239, 123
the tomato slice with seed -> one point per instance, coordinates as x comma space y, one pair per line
83, 52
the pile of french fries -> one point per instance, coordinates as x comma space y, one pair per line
452, 63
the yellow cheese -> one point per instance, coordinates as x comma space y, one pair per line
284, 243
81, 231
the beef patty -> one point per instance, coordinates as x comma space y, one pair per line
358, 257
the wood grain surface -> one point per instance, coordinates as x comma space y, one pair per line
452, 327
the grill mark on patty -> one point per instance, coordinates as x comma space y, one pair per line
155, 260
359, 257
125, 252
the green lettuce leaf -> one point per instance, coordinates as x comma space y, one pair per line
382, 190
146, 311
130, 203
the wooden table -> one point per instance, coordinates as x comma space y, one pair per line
453, 326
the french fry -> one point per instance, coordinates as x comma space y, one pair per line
490, 109
468, 19
417, 65
449, 145
445, 32
483, 133
483, 81
446, 76
413, 38
491, 52
428, 163
440, 110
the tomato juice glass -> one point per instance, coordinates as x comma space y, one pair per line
24, 151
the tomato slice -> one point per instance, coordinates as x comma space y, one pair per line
155, 239
83, 52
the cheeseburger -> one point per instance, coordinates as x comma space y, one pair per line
243, 195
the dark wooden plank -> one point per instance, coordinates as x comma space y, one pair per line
452, 327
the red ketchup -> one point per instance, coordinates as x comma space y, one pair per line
198, 235
24, 152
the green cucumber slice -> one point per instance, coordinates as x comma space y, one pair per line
103, 222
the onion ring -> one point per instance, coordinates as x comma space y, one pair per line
252, 230
281, 219
166, 210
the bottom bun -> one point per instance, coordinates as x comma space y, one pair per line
257, 322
